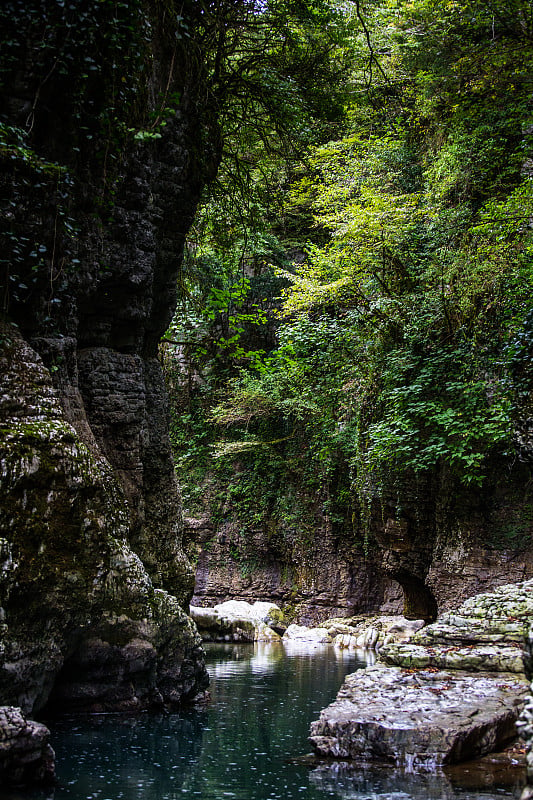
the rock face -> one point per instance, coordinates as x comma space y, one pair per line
94, 583
429, 542
415, 570
25, 753
68, 574
314, 579
453, 692
443, 542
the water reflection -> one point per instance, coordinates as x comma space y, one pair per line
239, 659
112, 757
381, 783
264, 697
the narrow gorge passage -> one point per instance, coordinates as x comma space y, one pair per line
266, 320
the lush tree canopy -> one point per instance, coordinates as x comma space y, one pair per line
358, 291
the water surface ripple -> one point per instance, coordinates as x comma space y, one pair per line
263, 700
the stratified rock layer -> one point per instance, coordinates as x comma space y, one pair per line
420, 719
416, 713
312, 578
328, 577
486, 633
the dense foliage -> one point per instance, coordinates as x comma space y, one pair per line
357, 307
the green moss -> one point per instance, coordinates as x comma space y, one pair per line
291, 610
512, 527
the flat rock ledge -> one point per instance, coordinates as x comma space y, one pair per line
486, 633
419, 719
453, 692
484, 658
26, 758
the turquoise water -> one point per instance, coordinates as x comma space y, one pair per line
263, 700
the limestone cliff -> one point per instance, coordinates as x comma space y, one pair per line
103, 153
446, 543
313, 575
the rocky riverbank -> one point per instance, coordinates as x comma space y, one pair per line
453, 692
239, 621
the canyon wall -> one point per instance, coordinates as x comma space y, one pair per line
447, 543
104, 150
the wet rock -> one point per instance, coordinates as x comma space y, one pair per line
238, 621
454, 691
370, 632
525, 728
420, 719
26, 758
301, 633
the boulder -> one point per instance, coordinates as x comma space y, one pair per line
238, 621
300, 633
271, 615
268, 613
403, 630
234, 608
26, 758
128, 665
214, 627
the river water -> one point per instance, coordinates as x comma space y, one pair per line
264, 697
